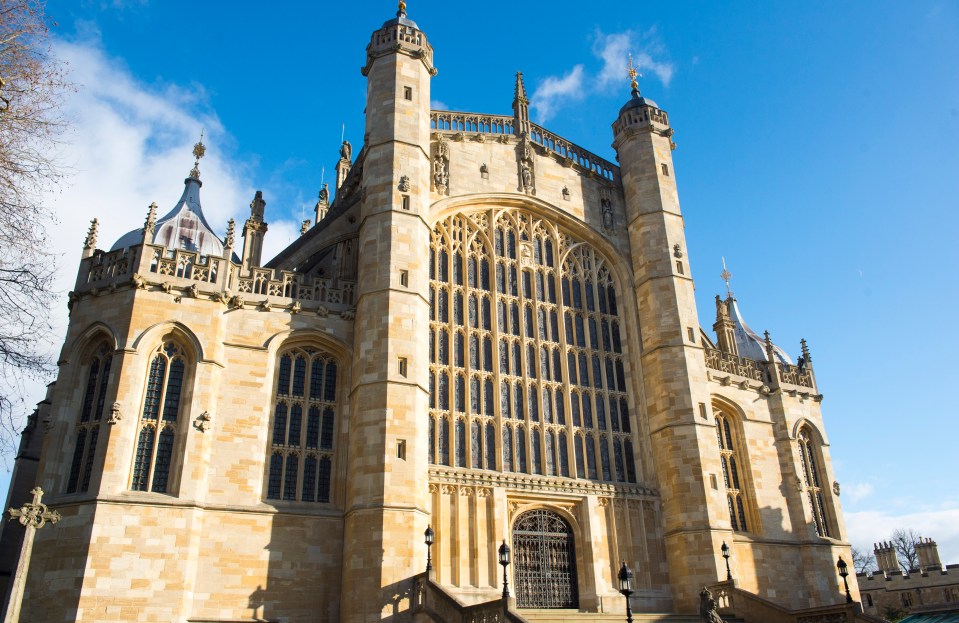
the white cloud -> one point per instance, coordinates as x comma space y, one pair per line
649, 57
941, 525
130, 144
858, 491
550, 94
438, 105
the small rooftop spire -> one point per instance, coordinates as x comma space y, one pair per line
402, 9
520, 91
726, 276
199, 150
632, 73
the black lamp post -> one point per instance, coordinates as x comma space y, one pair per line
842, 571
725, 549
626, 588
428, 536
504, 560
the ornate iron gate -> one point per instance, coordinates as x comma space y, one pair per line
544, 561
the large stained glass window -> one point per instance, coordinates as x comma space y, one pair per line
97, 370
809, 456
303, 428
525, 337
733, 479
157, 436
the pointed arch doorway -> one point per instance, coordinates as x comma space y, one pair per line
544, 559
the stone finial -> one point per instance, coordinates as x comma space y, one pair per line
770, 351
805, 352
305, 226
230, 234
149, 225
90, 242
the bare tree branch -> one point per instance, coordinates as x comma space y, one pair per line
904, 541
863, 561
32, 84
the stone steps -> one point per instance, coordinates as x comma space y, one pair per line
575, 616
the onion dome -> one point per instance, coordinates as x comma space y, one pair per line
184, 227
748, 342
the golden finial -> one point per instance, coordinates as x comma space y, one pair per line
632, 73
402, 10
199, 150
726, 276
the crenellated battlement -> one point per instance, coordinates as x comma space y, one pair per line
399, 35
898, 577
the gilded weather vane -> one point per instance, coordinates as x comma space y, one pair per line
199, 150
633, 73
726, 276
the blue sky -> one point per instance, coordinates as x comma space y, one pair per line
817, 152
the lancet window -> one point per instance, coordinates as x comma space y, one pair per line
160, 419
526, 351
733, 474
97, 370
303, 427
809, 455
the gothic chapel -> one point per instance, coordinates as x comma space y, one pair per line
490, 332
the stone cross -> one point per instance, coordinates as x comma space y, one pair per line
32, 516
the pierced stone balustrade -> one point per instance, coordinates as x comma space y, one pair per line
503, 125
104, 268
145, 265
795, 375
185, 264
726, 362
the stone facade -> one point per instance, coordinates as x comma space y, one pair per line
488, 321
931, 587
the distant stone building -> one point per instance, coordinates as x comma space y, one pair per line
929, 588
490, 331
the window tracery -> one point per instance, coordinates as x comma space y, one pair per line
737, 496
303, 430
91, 413
159, 419
544, 334
810, 459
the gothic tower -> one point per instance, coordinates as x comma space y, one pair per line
385, 502
682, 442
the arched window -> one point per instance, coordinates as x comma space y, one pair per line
97, 370
159, 419
809, 454
553, 349
304, 426
734, 470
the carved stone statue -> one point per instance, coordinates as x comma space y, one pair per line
707, 608
722, 311
325, 194
346, 151
527, 176
607, 214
